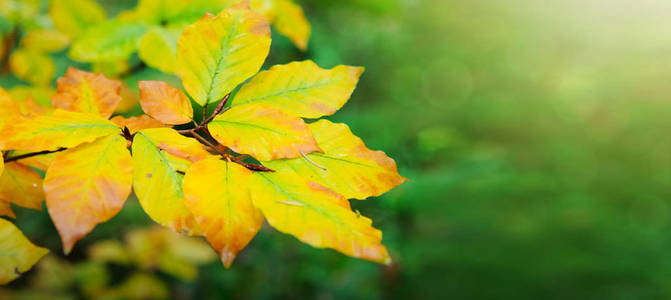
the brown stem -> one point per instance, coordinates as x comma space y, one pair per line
27, 155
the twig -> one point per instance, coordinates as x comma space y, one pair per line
27, 155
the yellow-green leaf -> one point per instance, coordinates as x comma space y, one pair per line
87, 92
316, 215
45, 40
263, 132
346, 165
32, 66
18, 253
22, 186
165, 103
217, 193
19, 11
158, 48
290, 21
62, 129
108, 41
73, 17
158, 186
301, 88
217, 53
88, 185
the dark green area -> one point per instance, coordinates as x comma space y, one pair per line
535, 135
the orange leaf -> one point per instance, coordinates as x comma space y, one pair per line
136, 124
165, 103
87, 92
88, 185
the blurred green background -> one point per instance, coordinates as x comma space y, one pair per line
535, 135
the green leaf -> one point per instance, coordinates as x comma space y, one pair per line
109, 41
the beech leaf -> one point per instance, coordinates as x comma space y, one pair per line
301, 88
88, 185
87, 92
165, 103
62, 129
22, 186
263, 132
217, 53
217, 193
158, 186
18, 253
346, 165
316, 215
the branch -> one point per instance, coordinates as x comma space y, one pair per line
27, 155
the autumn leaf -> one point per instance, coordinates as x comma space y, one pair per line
32, 66
301, 88
346, 165
316, 215
87, 92
62, 129
217, 53
22, 186
158, 48
40, 162
72, 17
263, 132
18, 253
88, 185
158, 186
9, 109
6, 209
217, 193
165, 103
135, 124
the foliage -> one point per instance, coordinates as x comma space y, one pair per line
213, 179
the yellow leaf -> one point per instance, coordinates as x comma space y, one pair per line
32, 66
301, 88
225, 213
158, 186
217, 53
346, 165
88, 185
22, 186
109, 41
73, 17
165, 103
62, 129
136, 124
263, 132
87, 92
291, 22
316, 215
2, 163
45, 40
18, 253
158, 48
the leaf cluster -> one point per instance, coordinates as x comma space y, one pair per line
254, 158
